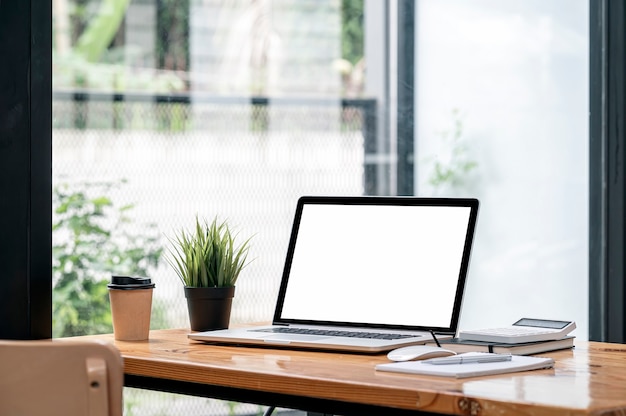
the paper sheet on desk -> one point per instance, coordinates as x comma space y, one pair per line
517, 363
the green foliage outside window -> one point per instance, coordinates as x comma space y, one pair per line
352, 40
88, 56
351, 66
455, 171
93, 239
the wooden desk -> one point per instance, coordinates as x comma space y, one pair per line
591, 379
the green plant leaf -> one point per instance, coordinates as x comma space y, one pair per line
208, 257
101, 30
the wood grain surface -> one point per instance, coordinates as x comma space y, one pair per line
590, 379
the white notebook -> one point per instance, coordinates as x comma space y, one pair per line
517, 363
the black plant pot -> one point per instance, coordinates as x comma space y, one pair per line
209, 307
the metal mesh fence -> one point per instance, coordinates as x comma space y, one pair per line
176, 113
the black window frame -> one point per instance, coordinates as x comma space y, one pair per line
26, 169
607, 161
26, 164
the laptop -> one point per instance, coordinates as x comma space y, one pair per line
367, 274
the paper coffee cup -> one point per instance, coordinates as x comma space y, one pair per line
131, 307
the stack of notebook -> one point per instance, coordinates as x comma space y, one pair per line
459, 345
524, 337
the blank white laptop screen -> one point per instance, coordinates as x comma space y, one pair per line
377, 264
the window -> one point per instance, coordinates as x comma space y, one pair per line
501, 114
241, 107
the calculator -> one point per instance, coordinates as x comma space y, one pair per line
524, 330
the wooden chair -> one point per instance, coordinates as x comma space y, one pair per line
60, 377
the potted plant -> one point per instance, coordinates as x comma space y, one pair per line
208, 261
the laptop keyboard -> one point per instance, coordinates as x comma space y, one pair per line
333, 333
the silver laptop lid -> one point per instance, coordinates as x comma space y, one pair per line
379, 262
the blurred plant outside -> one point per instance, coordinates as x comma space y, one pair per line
89, 52
352, 64
93, 239
95, 61
86, 56
453, 168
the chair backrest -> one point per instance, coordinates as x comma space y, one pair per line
60, 377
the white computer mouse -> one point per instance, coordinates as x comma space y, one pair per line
418, 352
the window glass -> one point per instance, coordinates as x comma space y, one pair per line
176, 108
173, 109
502, 115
